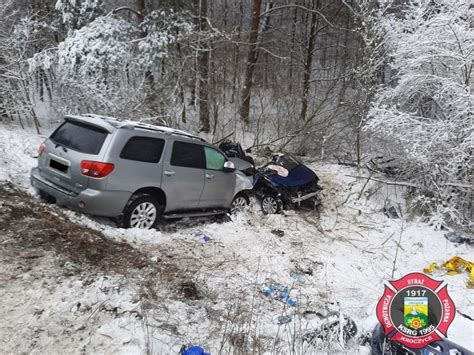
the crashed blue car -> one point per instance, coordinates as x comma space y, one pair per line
284, 183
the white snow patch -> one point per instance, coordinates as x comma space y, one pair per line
17, 152
332, 264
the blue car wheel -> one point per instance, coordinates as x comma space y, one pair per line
271, 204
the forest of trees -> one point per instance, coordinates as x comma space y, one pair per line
321, 78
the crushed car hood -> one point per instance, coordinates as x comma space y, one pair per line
301, 175
240, 164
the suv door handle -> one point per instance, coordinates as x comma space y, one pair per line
169, 172
209, 176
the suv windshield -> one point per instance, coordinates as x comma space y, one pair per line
80, 137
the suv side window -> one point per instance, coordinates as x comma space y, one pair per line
214, 159
188, 155
144, 149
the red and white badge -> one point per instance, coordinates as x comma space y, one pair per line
416, 310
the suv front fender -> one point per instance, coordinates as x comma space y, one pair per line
242, 182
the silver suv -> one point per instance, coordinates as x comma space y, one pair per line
138, 172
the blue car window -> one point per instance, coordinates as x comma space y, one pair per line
287, 162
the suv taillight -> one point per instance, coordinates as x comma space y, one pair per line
96, 169
41, 149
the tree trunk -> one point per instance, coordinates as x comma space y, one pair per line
251, 61
236, 51
293, 41
141, 12
45, 81
203, 64
181, 86
38, 84
266, 58
29, 104
308, 63
141, 8
224, 60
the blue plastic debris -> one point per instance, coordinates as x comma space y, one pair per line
284, 319
270, 290
194, 350
283, 295
199, 234
298, 277
291, 302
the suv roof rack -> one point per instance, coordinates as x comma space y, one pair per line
100, 116
161, 129
112, 121
127, 124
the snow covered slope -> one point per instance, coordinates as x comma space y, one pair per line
214, 287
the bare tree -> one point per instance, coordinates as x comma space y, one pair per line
203, 65
309, 61
251, 61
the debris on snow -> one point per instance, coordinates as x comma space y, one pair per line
460, 238
161, 289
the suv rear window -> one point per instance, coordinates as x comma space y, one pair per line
188, 155
144, 149
80, 137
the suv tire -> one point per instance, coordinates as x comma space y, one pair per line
240, 201
144, 212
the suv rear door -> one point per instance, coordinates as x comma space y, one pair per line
183, 175
137, 156
219, 185
71, 143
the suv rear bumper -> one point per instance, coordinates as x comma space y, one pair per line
95, 202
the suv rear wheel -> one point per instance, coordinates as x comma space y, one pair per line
143, 212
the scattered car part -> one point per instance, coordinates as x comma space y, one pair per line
382, 344
193, 350
453, 266
331, 330
280, 293
459, 238
278, 232
383, 165
234, 150
284, 319
391, 212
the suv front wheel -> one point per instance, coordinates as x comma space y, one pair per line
240, 201
271, 204
143, 212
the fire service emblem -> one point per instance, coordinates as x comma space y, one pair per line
415, 310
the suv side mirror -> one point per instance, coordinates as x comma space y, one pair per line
229, 167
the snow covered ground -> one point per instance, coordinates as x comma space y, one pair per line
211, 280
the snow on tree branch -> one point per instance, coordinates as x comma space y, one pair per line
426, 114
